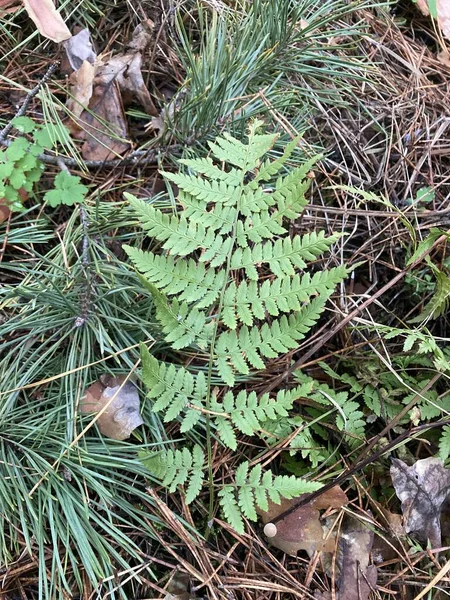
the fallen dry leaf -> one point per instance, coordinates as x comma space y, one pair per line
79, 48
422, 489
443, 14
122, 414
100, 91
357, 578
4, 210
9, 6
47, 19
302, 529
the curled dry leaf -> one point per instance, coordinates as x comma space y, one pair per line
9, 6
122, 414
302, 529
422, 489
47, 19
100, 90
442, 13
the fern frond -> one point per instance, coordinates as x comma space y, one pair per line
250, 301
271, 167
266, 224
244, 156
205, 166
177, 468
221, 219
217, 192
180, 236
236, 350
182, 325
194, 282
248, 414
175, 390
253, 489
283, 256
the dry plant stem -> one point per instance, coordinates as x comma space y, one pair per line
29, 97
346, 320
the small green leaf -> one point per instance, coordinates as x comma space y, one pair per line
17, 179
17, 149
68, 190
43, 138
6, 169
24, 124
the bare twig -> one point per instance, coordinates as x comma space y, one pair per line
29, 97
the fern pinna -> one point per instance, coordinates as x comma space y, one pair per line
230, 281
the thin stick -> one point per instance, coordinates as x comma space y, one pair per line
29, 97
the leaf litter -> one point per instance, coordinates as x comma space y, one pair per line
121, 399
101, 87
422, 489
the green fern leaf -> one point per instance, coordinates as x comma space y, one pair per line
230, 509
205, 166
192, 281
444, 443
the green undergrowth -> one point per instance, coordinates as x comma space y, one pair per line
71, 311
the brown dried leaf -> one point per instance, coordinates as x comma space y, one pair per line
79, 48
4, 210
302, 529
9, 6
422, 489
82, 82
122, 414
358, 577
114, 82
47, 19
443, 14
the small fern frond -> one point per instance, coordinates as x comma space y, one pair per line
178, 468
248, 414
174, 390
182, 325
221, 219
180, 236
217, 192
253, 490
236, 350
271, 167
266, 224
250, 301
244, 156
205, 166
193, 281
284, 256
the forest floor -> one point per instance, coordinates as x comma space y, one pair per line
368, 85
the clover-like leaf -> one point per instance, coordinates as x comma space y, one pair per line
17, 149
24, 124
68, 190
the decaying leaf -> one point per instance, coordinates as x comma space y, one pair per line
9, 6
4, 210
302, 529
79, 48
357, 577
47, 19
422, 489
99, 91
440, 10
122, 414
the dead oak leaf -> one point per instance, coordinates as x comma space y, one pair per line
47, 19
122, 414
422, 489
100, 88
302, 529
